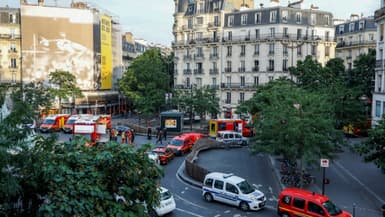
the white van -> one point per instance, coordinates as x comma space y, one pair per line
233, 190
231, 138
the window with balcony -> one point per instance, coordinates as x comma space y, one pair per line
285, 32
242, 66
199, 52
13, 64
327, 36
12, 47
271, 78
228, 66
257, 34
284, 16
12, 18
258, 18
198, 82
229, 51
241, 97
378, 109
273, 16
216, 21
313, 50
243, 19
189, 23
243, 50
214, 52
271, 65
299, 50
256, 49
285, 65
271, 48
242, 78
256, 66
256, 80
199, 20
199, 36
228, 98
379, 83
230, 21
214, 82
229, 35
272, 32
327, 20
299, 34
284, 50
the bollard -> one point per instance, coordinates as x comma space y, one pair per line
354, 209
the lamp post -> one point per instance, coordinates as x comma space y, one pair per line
191, 107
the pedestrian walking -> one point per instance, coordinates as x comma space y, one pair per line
159, 138
149, 132
123, 137
132, 136
165, 134
128, 136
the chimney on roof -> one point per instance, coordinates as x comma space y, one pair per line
274, 3
314, 7
40, 2
354, 17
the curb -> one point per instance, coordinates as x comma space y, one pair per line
277, 175
184, 178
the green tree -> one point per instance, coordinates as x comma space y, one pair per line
373, 148
362, 75
293, 122
64, 85
146, 81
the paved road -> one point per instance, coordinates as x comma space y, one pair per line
352, 182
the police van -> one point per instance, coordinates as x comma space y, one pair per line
233, 190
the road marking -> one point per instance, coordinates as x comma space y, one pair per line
257, 186
186, 201
360, 183
188, 212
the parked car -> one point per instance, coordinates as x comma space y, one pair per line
231, 138
233, 190
153, 157
299, 202
166, 203
165, 154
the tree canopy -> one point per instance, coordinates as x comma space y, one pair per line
293, 122
146, 81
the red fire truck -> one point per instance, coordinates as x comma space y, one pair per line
239, 125
92, 128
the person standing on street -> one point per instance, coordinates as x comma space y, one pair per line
132, 136
159, 137
149, 132
165, 134
123, 137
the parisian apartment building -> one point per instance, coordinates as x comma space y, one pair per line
10, 52
354, 37
378, 101
233, 47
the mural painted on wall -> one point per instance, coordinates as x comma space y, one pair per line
58, 39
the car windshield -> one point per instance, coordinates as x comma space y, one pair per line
165, 195
49, 121
245, 187
70, 121
176, 142
332, 209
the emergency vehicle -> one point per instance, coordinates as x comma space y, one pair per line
53, 123
91, 128
238, 125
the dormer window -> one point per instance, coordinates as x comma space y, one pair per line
298, 18
273, 16
313, 20
361, 25
284, 16
230, 21
258, 18
244, 19
351, 27
327, 18
341, 29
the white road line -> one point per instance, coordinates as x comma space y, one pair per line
360, 183
186, 201
188, 212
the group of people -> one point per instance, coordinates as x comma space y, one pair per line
127, 137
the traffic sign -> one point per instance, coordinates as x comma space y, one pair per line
324, 162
